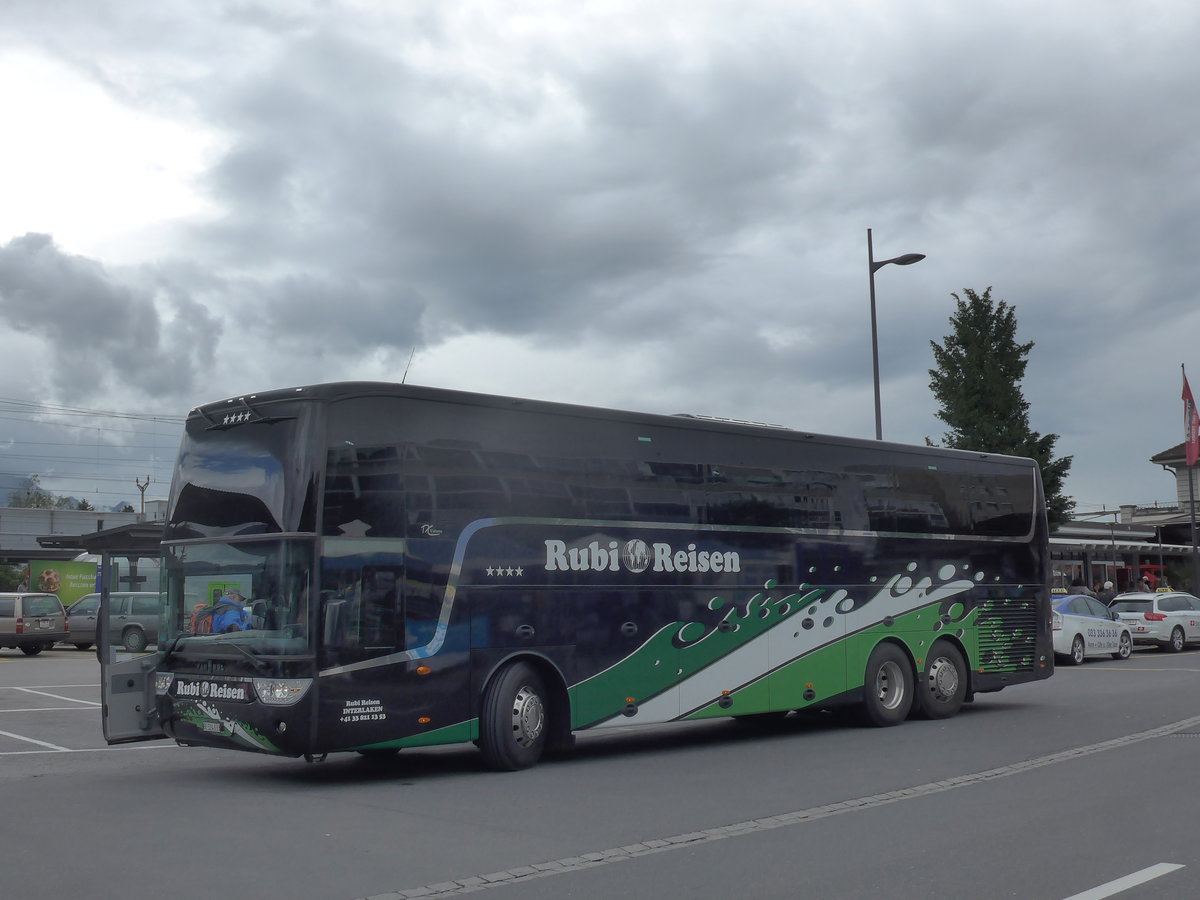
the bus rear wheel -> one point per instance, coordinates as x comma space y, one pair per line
942, 686
887, 687
513, 723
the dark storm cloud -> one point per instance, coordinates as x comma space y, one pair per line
353, 165
102, 333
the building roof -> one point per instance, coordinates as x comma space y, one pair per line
135, 540
1173, 456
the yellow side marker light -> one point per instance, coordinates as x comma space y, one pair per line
423, 670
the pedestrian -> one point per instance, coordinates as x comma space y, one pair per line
231, 614
1146, 584
1107, 593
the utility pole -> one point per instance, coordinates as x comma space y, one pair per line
142, 489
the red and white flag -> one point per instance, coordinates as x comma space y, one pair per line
1191, 424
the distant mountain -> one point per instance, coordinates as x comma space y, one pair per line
8, 484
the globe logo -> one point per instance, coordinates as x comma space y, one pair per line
636, 556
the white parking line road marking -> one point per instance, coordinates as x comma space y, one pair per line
122, 748
56, 696
1129, 881
32, 741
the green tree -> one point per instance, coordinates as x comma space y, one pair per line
977, 383
11, 577
84, 505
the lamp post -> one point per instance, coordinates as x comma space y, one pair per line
872, 264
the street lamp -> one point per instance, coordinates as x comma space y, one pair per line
906, 260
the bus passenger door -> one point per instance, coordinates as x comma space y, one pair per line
127, 683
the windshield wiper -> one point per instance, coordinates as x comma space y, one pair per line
259, 665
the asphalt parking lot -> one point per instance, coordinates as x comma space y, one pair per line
50, 703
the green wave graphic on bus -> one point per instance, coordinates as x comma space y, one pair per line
678, 652
206, 718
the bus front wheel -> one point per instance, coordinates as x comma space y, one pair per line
887, 687
513, 722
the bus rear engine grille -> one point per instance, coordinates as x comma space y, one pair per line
1007, 635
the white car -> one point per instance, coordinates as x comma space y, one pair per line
1083, 626
1169, 619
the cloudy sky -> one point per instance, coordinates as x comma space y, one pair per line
658, 206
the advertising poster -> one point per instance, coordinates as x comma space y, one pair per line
68, 579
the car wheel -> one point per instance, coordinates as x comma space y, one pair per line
1124, 647
887, 687
134, 640
31, 649
1077, 650
942, 687
1176, 643
514, 722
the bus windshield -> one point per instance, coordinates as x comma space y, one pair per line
252, 593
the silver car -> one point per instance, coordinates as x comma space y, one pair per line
133, 619
1167, 619
32, 622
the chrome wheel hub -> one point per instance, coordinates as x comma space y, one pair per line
528, 716
889, 685
943, 679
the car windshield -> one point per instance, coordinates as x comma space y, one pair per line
252, 593
1133, 605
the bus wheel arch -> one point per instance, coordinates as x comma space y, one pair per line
888, 685
943, 682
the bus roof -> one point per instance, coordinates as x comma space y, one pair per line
226, 409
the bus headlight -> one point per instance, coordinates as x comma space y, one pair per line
162, 682
281, 691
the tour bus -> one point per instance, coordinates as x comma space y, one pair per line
368, 567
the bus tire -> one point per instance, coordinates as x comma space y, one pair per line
942, 686
513, 723
887, 687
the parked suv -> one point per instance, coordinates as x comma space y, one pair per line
32, 622
1168, 619
132, 619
